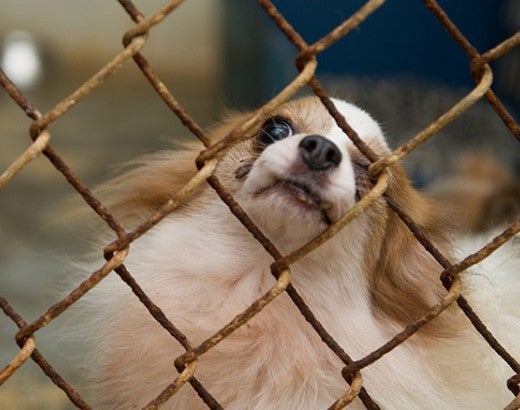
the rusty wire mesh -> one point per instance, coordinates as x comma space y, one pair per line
115, 252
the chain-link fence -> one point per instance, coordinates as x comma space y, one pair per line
115, 252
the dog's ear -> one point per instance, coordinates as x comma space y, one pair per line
405, 283
149, 182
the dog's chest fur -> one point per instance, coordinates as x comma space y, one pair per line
274, 361
201, 267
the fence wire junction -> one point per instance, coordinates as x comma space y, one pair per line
115, 252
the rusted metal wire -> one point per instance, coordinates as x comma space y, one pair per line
409, 331
143, 25
291, 291
58, 162
19, 359
158, 85
484, 252
306, 62
514, 405
354, 390
55, 310
67, 103
447, 283
161, 318
376, 192
514, 384
196, 181
437, 125
261, 114
477, 62
38, 358
339, 32
244, 317
34, 150
496, 52
185, 376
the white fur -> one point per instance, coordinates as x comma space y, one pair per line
204, 268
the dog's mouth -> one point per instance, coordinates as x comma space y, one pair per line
306, 194
302, 194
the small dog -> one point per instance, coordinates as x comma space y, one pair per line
297, 174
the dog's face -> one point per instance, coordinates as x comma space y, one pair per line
300, 172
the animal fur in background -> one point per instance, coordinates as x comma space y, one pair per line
481, 194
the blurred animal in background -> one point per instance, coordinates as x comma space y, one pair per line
480, 193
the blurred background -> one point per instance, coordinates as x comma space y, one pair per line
400, 65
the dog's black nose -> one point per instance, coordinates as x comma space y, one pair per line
319, 153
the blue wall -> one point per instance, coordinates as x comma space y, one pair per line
402, 37
400, 40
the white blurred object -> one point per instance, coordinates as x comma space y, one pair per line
20, 59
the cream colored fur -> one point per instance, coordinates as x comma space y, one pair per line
202, 268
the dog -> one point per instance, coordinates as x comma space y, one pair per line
295, 175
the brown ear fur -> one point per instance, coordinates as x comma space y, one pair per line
150, 181
406, 278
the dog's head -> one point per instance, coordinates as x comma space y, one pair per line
300, 171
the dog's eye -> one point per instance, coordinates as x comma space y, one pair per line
274, 129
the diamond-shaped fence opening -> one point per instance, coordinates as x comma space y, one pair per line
40, 132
